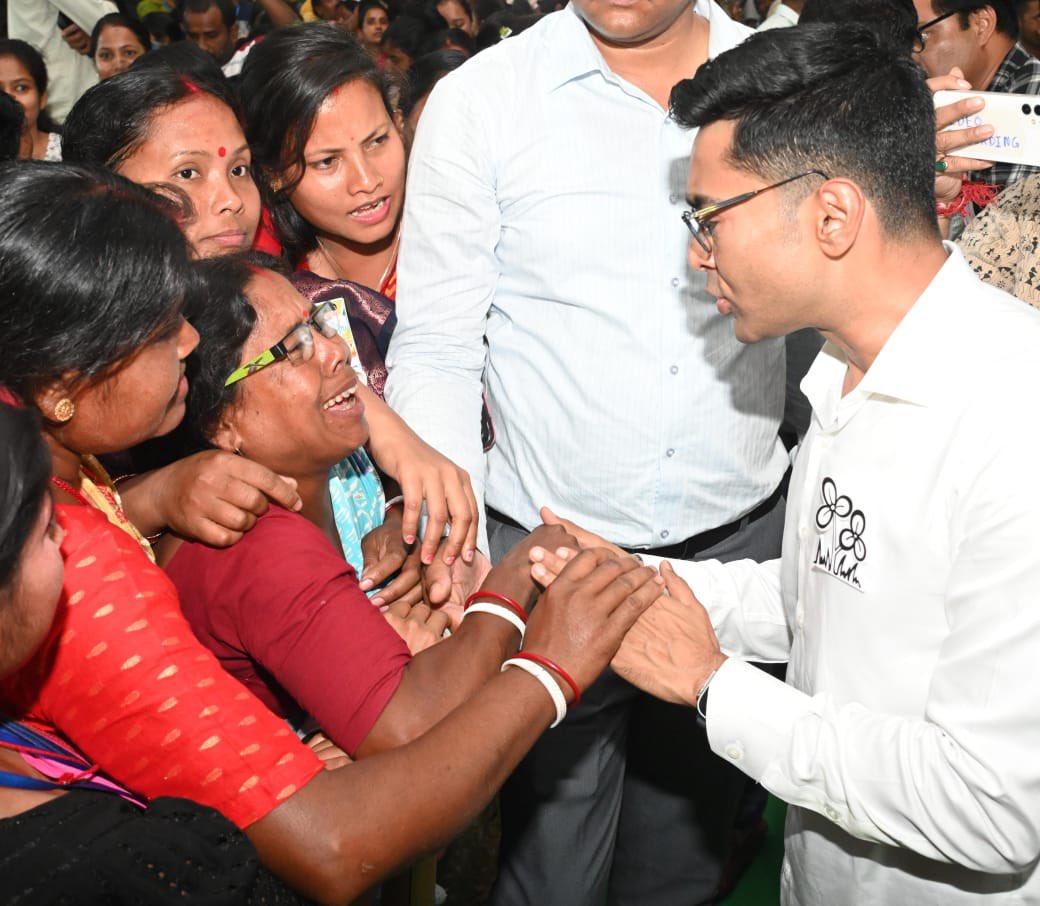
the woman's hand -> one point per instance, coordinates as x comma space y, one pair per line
419, 626
582, 617
385, 553
423, 475
512, 575
948, 183
446, 588
213, 497
547, 565
333, 756
584, 537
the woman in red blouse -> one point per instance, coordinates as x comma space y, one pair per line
94, 275
67, 832
163, 128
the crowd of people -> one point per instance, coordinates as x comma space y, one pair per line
407, 404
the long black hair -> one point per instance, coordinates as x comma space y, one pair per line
426, 72
285, 80
25, 468
111, 121
91, 267
12, 122
223, 332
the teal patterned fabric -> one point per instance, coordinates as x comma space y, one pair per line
357, 504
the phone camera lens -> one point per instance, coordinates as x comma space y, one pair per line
1026, 109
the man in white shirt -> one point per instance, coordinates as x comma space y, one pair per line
906, 735
784, 16
544, 194
69, 73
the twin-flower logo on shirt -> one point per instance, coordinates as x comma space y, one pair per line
840, 548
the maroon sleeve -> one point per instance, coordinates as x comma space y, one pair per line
286, 597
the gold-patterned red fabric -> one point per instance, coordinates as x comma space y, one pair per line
122, 678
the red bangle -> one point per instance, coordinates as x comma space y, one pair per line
502, 599
556, 668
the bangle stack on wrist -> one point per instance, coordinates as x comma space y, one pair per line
539, 666
491, 602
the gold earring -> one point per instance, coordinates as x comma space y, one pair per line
64, 410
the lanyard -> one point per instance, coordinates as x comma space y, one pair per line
34, 745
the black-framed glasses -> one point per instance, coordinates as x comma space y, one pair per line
297, 346
699, 225
926, 25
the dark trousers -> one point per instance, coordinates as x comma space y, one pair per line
624, 803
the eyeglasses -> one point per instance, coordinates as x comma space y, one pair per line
700, 226
297, 346
921, 28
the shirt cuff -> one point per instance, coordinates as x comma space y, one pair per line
751, 716
700, 575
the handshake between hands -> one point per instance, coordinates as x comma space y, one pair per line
671, 649
597, 604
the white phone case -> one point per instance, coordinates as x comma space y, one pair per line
1015, 119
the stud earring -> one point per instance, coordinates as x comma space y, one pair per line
64, 410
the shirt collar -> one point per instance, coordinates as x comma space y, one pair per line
913, 364
571, 53
1016, 58
785, 13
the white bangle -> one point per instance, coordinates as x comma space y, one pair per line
393, 501
546, 679
498, 611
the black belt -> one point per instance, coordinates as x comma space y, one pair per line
695, 544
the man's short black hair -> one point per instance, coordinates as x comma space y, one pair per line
226, 7
833, 98
1007, 19
894, 21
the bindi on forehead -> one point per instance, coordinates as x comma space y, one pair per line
222, 151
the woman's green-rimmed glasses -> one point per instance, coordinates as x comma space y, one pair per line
297, 346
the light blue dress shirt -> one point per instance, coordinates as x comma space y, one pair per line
542, 239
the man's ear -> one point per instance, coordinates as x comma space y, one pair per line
839, 209
983, 23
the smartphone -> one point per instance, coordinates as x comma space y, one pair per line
63, 21
1015, 119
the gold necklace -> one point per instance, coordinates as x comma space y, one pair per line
386, 270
